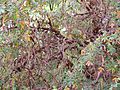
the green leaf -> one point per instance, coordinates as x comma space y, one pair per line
54, 88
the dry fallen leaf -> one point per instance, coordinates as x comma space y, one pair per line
74, 86
100, 69
115, 79
67, 88
83, 52
118, 14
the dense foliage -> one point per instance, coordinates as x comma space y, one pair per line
59, 44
